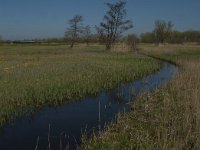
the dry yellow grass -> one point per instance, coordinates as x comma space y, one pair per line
168, 118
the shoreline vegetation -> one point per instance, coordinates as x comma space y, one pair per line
167, 118
34, 76
95, 56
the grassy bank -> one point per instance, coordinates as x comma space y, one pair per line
32, 76
168, 118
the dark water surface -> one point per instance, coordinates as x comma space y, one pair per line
67, 121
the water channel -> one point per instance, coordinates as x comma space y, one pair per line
64, 125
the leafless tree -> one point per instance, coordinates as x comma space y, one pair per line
162, 30
87, 34
132, 41
113, 24
74, 29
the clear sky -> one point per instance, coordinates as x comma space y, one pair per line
27, 19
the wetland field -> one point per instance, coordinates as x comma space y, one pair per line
34, 76
92, 75
167, 118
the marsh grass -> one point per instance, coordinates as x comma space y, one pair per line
168, 118
33, 76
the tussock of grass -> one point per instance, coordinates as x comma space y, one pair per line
168, 118
34, 76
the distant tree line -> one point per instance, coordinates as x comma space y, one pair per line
164, 33
82, 39
175, 37
112, 30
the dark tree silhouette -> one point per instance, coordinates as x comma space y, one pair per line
148, 37
87, 34
132, 41
74, 29
172, 37
162, 31
114, 23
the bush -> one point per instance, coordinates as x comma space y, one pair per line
132, 41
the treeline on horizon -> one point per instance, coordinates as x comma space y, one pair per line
176, 37
112, 30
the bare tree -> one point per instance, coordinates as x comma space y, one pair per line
131, 41
114, 23
169, 30
74, 29
162, 30
87, 34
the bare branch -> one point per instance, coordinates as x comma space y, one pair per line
75, 29
114, 23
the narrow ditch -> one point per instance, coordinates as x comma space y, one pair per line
63, 126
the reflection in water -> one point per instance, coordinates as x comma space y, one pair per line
63, 126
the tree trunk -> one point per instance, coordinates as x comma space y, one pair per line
108, 46
72, 44
87, 42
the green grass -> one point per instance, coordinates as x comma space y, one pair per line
167, 118
34, 76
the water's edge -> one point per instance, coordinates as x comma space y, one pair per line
64, 125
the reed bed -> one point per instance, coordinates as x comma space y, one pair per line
168, 118
33, 76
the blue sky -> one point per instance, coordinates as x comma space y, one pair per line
27, 19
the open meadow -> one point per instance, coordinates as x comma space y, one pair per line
167, 118
34, 76
93, 75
